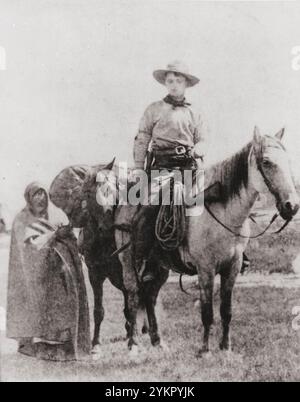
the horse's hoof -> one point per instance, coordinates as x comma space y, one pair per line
145, 330
225, 346
208, 355
163, 346
227, 353
134, 352
96, 357
204, 352
96, 350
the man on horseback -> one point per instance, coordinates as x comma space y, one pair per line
172, 136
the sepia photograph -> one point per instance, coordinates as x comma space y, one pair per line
149, 193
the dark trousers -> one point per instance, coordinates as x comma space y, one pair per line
144, 228
144, 235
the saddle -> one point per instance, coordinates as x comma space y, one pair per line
171, 227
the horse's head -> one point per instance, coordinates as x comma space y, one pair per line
271, 171
100, 191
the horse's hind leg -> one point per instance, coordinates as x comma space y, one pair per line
206, 283
150, 294
145, 327
228, 278
150, 302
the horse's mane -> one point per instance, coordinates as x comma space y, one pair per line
231, 174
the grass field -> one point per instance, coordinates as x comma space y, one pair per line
265, 346
274, 253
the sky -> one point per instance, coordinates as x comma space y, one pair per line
78, 77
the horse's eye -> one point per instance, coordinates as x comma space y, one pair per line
266, 163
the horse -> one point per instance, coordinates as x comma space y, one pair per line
217, 238
97, 244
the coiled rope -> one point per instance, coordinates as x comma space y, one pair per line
170, 225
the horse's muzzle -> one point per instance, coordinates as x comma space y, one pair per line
289, 208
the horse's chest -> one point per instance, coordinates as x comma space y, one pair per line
207, 242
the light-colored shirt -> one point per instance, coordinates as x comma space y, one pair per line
166, 127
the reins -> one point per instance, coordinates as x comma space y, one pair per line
248, 237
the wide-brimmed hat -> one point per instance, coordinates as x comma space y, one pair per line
176, 67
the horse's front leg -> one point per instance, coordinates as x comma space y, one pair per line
206, 284
145, 327
132, 297
228, 278
133, 305
97, 286
127, 314
150, 294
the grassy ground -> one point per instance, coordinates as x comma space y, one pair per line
266, 348
274, 253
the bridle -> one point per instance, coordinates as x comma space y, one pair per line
248, 237
273, 219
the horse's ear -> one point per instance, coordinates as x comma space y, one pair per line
257, 135
110, 165
257, 138
280, 134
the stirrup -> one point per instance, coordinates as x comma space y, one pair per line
144, 275
148, 277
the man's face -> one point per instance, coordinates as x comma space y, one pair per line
39, 202
176, 84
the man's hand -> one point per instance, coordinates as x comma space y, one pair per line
197, 151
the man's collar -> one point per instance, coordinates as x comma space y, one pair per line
176, 103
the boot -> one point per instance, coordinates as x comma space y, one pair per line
141, 264
144, 239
